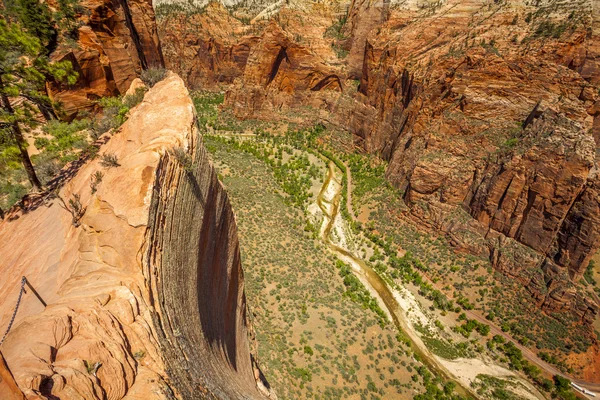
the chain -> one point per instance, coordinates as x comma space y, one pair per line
14, 315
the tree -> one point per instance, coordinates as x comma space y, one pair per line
24, 70
36, 18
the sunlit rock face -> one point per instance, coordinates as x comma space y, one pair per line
145, 297
116, 41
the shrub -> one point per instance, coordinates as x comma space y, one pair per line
183, 158
75, 208
136, 98
109, 160
114, 114
152, 76
95, 180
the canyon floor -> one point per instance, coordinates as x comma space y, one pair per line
322, 333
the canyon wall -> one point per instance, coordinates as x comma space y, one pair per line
487, 113
490, 110
196, 282
144, 290
117, 39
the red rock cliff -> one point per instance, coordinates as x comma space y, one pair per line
117, 39
488, 108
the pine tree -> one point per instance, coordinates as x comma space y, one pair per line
24, 70
36, 18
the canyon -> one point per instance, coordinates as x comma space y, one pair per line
468, 127
481, 107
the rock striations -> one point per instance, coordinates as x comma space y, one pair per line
145, 298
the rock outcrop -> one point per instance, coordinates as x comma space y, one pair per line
208, 49
116, 41
142, 301
262, 66
281, 74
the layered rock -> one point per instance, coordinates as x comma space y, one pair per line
269, 67
490, 109
116, 41
281, 74
112, 327
207, 49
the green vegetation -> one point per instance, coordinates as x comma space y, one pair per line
444, 349
313, 338
24, 71
549, 29
562, 389
109, 160
135, 98
152, 76
588, 275
471, 325
336, 31
495, 388
356, 291
293, 293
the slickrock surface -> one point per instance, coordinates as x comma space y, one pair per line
116, 40
96, 339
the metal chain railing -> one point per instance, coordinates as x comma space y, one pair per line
14, 315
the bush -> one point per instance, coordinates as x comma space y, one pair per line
152, 76
114, 114
136, 98
109, 160
95, 180
183, 158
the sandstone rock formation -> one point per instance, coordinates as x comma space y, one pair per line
488, 110
141, 303
206, 49
117, 39
281, 73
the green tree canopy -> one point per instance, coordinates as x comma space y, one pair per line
24, 70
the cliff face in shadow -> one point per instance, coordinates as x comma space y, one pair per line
196, 280
145, 297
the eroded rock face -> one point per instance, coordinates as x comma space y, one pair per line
281, 74
102, 334
117, 40
208, 49
263, 67
497, 122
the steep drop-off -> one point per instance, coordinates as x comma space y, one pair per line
196, 281
130, 306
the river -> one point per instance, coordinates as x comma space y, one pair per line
400, 305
